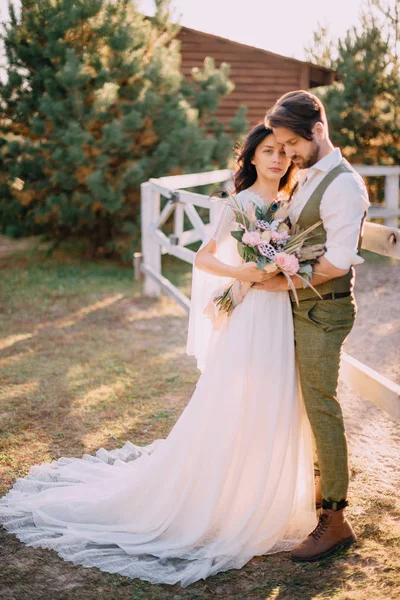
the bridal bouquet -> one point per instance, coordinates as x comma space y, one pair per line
264, 237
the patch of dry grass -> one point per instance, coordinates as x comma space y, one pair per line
87, 361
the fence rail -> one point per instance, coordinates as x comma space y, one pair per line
180, 203
390, 212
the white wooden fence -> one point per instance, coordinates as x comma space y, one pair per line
377, 238
390, 211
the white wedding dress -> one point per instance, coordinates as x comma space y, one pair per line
233, 479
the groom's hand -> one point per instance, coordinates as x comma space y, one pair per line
312, 252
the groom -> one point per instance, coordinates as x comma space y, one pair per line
328, 189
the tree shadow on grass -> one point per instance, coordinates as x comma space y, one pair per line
104, 378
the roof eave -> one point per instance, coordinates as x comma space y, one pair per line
267, 52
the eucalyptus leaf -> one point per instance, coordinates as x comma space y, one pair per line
241, 250
237, 235
306, 270
306, 274
261, 262
252, 252
259, 213
246, 253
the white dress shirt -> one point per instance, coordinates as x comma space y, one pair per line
342, 208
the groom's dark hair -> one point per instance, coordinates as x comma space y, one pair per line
298, 111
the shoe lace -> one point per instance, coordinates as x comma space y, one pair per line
322, 526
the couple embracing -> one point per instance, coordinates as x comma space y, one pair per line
261, 444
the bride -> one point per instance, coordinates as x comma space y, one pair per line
234, 478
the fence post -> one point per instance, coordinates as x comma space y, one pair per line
150, 211
392, 200
137, 260
178, 222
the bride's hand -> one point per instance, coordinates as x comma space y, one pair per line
251, 273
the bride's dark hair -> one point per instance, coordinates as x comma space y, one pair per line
246, 174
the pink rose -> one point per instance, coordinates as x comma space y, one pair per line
251, 238
278, 236
287, 262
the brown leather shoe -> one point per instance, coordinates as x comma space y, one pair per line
332, 533
318, 492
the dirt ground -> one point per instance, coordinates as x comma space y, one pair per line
374, 437
80, 349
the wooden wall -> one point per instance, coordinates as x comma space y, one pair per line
260, 77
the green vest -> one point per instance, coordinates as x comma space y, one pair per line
310, 215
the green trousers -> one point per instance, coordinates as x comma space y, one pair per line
320, 328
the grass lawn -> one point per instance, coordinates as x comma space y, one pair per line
88, 361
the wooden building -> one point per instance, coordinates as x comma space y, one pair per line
260, 76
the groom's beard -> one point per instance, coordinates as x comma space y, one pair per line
310, 160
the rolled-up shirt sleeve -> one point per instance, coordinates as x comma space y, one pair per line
342, 209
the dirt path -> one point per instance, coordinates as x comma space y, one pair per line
374, 436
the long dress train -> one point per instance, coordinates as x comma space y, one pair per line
233, 479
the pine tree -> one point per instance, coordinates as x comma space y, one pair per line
362, 107
95, 104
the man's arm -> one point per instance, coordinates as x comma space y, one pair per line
323, 271
342, 209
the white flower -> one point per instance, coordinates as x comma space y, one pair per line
275, 224
282, 227
270, 268
266, 236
